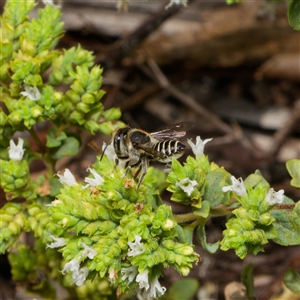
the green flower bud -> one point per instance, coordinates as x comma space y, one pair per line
266, 219
241, 251
112, 114
82, 107
77, 88
5, 234
36, 112
253, 214
168, 244
15, 118
28, 47
4, 75
5, 217
247, 224
14, 228
73, 96
20, 183
88, 98
169, 224
11, 208
241, 213
184, 271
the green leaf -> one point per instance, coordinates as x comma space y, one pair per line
288, 226
55, 186
293, 167
216, 179
203, 211
291, 279
247, 280
183, 289
255, 179
201, 235
294, 14
69, 147
54, 140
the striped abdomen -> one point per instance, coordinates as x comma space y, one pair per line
171, 149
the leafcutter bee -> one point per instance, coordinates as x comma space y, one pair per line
139, 146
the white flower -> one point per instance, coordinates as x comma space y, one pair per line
88, 251
54, 203
198, 148
172, 2
16, 152
136, 247
58, 242
109, 151
68, 178
142, 280
71, 266
51, 3
80, 277
98, 179
31, 92
274, 197
187, 185
237, 186
129, 273
156, 290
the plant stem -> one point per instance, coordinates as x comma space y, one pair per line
49, 162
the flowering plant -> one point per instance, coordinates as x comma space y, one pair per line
107, 236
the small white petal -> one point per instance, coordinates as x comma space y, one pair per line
68, 178
187, 185
198, 148
172, 2
31, 92
142, 280
273, 197
237, 187
97, 180
88, 251
71, 266
51, 3
136, 247
80, 277
109, 151
58, 242
129, 273
156, 290
16, 152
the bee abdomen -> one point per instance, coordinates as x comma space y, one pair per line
170, 148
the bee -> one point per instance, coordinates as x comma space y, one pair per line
139, 146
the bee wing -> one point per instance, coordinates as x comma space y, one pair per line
175, 131
151, 151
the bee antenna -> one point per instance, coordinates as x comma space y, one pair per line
104, 151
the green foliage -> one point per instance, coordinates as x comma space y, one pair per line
294, 14
291, 279
287, 226
248, 280
293, 166
183, 289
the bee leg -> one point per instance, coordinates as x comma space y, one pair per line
143, 167
127, 167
